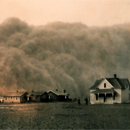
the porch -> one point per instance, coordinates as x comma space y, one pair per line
105, 96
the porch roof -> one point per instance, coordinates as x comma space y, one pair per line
102, 91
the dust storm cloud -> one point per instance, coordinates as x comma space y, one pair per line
61, 56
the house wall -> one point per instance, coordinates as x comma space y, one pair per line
23, 98
109, 99
62, 98
32, 98
125, 95
15, 99
44, 97
37, 98
93, 97
52, 97
117, 96
108, 85
1, 99
12, 99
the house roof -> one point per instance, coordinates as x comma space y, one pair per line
36, 93
14, 94
108, 91
115, 82
59, 93
97, 82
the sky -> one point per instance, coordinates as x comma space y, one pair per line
89, 12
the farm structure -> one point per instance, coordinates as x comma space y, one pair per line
58, 96
1, 99
109, 91
15, 97
36, 96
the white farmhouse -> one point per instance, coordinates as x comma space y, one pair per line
109, 91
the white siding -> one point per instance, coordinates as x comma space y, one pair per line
12, 99
109, 99
92, 97
118, 96
108, 85
125, 95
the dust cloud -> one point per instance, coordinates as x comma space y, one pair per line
59, 55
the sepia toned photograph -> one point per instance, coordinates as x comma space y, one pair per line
64, 64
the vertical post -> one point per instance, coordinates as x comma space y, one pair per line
98, 97
28, 98
105, 98
112, 97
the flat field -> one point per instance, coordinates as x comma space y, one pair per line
64, 115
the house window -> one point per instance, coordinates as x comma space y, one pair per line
16, 98
5, 98
96, 96
104, 85
11, 97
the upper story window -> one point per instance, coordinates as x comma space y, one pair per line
104, 85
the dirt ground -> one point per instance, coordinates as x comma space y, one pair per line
64, 116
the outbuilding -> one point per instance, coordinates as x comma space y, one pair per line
15, 97
58, 96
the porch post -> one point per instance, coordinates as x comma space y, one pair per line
28, 98
112, 97
105, 97
98, 97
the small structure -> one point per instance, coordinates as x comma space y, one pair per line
1, 99
109, 91
35, 96
44, 97
15, 97
58, 96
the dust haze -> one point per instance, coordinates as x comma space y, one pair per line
59, 55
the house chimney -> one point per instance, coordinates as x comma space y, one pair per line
32, 91
56, 89
64, 91
114, 75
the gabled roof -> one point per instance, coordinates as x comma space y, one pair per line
35, 93
115, 82
96, 84
58, 93
14, 94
